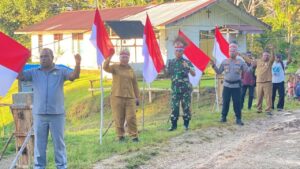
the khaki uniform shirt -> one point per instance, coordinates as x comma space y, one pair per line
264, 70
124, 80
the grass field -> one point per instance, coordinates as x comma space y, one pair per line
82, 128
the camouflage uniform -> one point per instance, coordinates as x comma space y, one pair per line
181, 88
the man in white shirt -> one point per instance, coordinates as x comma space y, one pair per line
278, 76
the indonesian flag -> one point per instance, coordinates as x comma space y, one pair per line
197, 57
13, 57
153, 62
221, 47
100, 39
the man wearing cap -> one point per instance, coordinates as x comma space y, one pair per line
48, 107
179, 70
264, 78
124, 96
278, 77
232, 69
248, 82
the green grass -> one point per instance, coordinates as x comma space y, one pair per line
83, 116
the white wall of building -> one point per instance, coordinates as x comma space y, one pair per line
192, 25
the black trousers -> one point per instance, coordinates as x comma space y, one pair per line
280, 88
251, 95
235, 94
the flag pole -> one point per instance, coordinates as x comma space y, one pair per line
217, 95
143, 106
102, 94
216, 85
101, 104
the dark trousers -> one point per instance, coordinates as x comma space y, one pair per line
280, 88
235, 94
251, 95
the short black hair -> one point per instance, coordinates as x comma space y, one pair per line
180, 39
279, 55
49, 50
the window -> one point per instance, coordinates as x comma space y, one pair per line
57, 48
206, 42
58, 37
77, 36
77, 39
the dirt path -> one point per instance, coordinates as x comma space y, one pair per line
5, 162
271, 143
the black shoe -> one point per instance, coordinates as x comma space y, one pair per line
239, 122
135, 140
174, 126
223, 120
121, 139
186, 124
279, 109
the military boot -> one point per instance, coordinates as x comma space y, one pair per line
186, 124
174, 125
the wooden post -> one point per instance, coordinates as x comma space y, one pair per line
150, 93
220, 80
22, 113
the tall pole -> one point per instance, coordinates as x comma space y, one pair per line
143, 105
102, 94
96, 3
217, 94
216, 86
101, 104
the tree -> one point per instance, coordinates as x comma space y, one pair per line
284, 15
251, 6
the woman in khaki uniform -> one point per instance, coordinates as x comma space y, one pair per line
124, 95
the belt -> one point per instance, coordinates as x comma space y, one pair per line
233, 82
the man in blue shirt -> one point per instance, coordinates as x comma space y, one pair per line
48, 106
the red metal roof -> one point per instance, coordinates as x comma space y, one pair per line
83, 22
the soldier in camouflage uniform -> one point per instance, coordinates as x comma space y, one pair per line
179, 69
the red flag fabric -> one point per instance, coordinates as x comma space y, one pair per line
194, 54
221, 47
100, 38
13, 57
197, 57
153, 62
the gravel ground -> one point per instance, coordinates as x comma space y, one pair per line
270, 143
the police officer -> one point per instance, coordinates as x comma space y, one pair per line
232, 68
179, 69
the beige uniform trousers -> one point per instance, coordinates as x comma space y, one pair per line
124, 109
264, 90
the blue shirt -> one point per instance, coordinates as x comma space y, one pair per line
48, 94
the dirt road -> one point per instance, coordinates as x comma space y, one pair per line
270, 143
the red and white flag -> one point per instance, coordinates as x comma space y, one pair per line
197, 57
221, 47
100, 39
13, 57
153, 62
